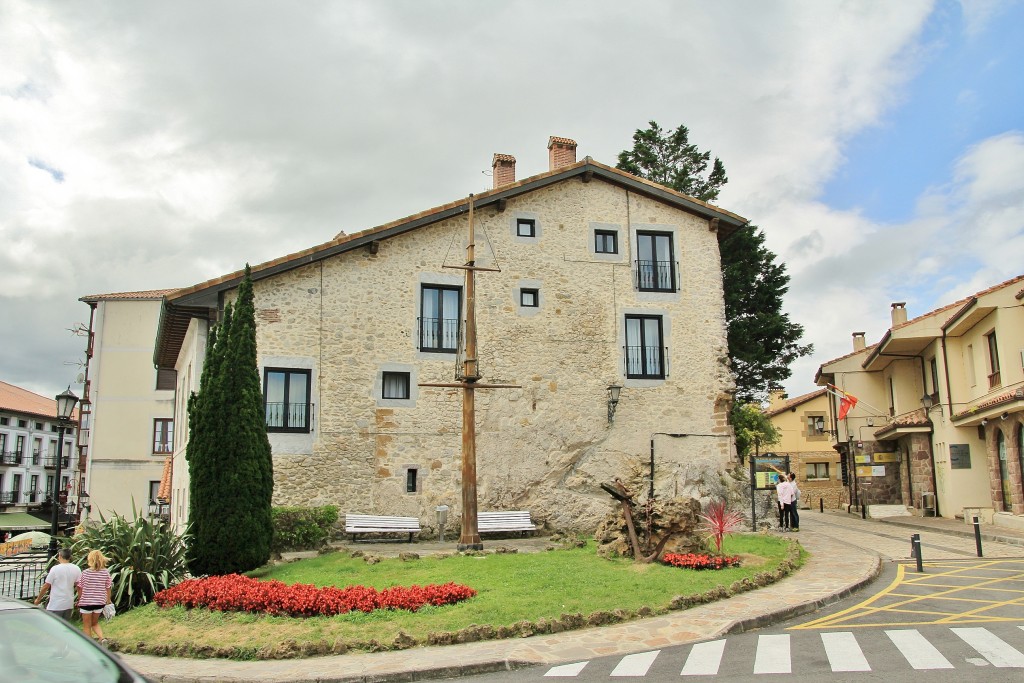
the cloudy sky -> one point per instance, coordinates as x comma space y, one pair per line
145, 145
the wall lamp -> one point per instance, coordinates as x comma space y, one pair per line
928, 401
613, 400
1004, 416
984, 421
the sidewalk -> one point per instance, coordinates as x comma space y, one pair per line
833, 571
957, 527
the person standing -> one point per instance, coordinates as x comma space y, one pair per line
93, 594
785, 494
61, 583
794, 514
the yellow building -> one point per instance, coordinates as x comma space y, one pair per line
804, 424
939, 421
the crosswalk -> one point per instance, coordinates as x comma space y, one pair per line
844, 651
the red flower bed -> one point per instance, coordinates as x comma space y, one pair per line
237, 593
700, 560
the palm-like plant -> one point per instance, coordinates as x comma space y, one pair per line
145, 556
717, 522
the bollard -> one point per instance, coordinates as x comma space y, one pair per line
977, 534
915, 542
821, 505
863, 511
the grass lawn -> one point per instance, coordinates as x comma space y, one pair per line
511, 589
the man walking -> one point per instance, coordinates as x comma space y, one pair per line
60, 584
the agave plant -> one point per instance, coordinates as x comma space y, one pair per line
717, 522
145, 556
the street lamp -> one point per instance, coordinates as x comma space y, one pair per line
65, 407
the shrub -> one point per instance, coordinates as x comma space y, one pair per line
237, 593
299, 528
717, 522
144, 556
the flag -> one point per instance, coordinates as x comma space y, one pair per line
846, 404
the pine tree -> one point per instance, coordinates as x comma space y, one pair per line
229, 456
763, 342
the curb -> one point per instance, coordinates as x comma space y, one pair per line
986, 535
743, 625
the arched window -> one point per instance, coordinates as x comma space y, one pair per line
1004, 474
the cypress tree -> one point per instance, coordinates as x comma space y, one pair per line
229, 457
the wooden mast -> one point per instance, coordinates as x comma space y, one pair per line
470, 535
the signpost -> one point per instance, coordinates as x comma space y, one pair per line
765, 471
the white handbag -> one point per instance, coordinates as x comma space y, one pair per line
109, 611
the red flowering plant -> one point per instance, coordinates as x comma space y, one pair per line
717, 522
700, 560
237, 593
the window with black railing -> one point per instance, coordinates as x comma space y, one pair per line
10, 458
645, 352
286, 395
440, 311
655, 266
51, 462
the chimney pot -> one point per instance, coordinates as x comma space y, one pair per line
561, 152
899, 313
504, 167
858, 341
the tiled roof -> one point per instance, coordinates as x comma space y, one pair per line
147, 295
164, 493
554, 140
18, 400
915, 418
867, 349
502, 157
956, 305
794, 402
1005, 397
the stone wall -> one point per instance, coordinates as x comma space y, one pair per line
545, 446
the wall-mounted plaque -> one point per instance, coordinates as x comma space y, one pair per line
862, 459
865, 471
887, 457
960, 456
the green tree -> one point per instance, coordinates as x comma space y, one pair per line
231, 477
754, 431
763, 341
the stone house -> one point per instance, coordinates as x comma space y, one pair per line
939, 422
804, 425
127, 405
596, 279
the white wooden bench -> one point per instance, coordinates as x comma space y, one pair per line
508, 520
379, 524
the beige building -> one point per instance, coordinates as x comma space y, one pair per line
805, 424
127, 406
594, 279
939, 422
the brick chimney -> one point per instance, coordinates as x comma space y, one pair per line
504, 167
858, 341
899, 313
561, 152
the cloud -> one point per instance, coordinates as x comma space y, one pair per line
55, 173
196, 136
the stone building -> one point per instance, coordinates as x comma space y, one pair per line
804, 425
939, 421
595, 279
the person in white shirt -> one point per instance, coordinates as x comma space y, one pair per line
785, 494
60, 584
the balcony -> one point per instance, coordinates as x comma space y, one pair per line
10, 458
287, 417
50, 462
9, 498
439, 335
655, 276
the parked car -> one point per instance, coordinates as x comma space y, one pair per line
38, 646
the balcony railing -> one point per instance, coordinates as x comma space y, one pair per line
50, 462
645, 362
994, 380
438, 334
655, 276
10, 458
9, 497
288, 416
162, 447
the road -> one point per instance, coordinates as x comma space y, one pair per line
962, 615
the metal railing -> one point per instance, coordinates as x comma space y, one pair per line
438, 334
50, 462
10, 458
645, 361
288, 416
22, 575
655, 276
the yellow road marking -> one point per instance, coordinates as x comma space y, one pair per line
905, 602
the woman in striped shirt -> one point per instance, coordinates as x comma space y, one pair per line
94, 593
